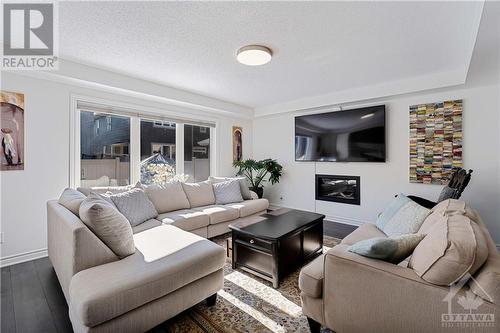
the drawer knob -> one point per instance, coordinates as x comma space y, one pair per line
252, 241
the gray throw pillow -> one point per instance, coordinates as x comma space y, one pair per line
108, 224
135, 206
227, 192
72, 199
446, 193
392, 249
245, 191
407, 220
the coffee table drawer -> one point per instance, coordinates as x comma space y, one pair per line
255, 242
254, 259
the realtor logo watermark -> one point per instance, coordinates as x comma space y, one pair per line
466, 309
29, 36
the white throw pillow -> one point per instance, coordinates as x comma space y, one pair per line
72, 199
407, 220
199, 194
113, 189
101, 181
167, 197
227, 192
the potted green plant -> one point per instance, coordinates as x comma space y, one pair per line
259, 172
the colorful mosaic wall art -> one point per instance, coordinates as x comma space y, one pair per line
435, 141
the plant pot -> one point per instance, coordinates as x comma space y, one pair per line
259, 191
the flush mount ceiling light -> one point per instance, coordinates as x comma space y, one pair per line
254, 55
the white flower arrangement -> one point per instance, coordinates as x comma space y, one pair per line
165, 173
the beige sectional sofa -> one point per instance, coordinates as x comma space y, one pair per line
347, 292
173, 268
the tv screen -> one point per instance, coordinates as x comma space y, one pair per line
356, 135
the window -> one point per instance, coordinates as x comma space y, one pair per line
119, 149
96, 127
108, 123
157, 151
196, 152
165, 150
163, 124
115, 146
104, 156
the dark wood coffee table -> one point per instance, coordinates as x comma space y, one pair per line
277, 243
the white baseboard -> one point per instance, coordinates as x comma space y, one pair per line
338, 219
23, 257
345, 220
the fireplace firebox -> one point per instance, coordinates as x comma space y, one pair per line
343, 189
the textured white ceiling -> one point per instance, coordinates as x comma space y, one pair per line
319, 47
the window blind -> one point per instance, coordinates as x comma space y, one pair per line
130, 112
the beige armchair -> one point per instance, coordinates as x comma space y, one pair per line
347, 292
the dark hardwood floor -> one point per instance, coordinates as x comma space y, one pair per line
33, 302
337, 230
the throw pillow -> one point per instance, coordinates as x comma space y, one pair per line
446, 193
199, 194
167, 197
227, 192
245, 191
72, 199
407, 220
454, 246
108, 224
454, 207
103, 189
101, 181
135, 206
392, 249
107, 196
486, 283
392, 209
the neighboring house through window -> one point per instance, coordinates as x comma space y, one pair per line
113, 151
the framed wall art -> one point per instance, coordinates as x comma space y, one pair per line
237, 143
11, 131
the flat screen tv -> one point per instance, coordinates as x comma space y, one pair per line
356, 135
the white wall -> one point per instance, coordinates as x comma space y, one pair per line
46, 174
381, 181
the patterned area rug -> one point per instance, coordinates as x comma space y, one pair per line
248, 304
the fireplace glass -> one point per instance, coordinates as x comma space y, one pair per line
343, 189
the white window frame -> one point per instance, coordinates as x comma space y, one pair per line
135, 138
